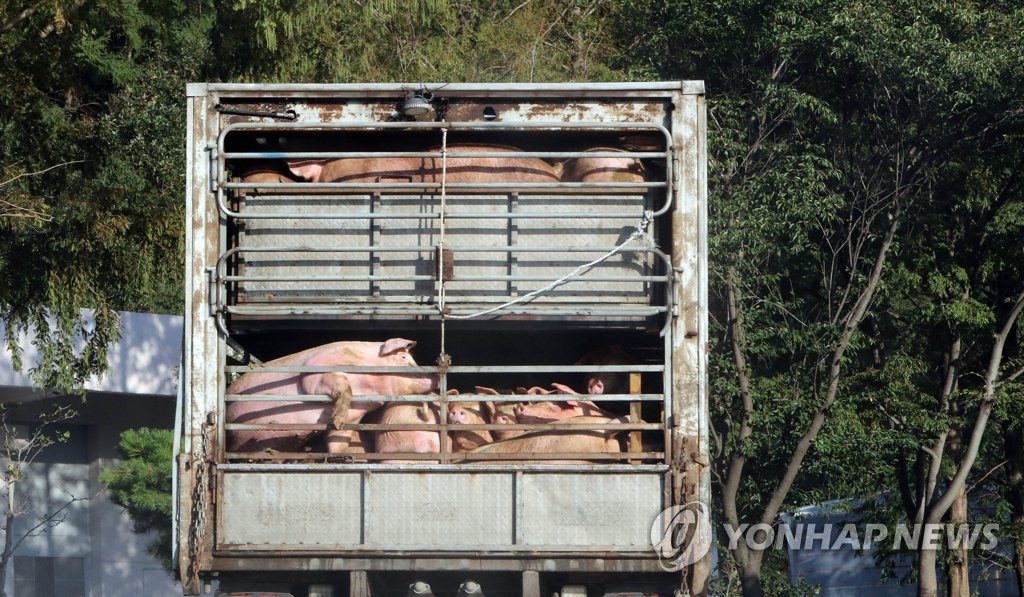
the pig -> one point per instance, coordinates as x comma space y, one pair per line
346, 441
499, 413
407, 440
468, 413
341, 387
548, 411
599, 382
477, 169
263, 171
503, 415
562, 440
588, 169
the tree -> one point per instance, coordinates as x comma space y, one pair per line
830, 128
91, 163
18, 454
423, 41
141, 483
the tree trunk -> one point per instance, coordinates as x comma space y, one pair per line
5, 556
927, 580
959, 568
749, 563
1013, 445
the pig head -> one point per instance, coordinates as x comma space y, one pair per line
339, 387
407, 440
601, 169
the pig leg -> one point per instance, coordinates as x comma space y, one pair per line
345, 441
335, 385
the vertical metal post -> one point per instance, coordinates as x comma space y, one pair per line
531, 583
689, 336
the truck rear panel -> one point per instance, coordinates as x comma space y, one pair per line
502, 285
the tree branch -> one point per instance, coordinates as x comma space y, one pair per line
852, 321
11, 24
984, 410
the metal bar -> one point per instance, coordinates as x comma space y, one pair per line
506, 187
390, 91
452, 215
615, 427
453, 369
420, 397
328, 467
520, 309
455, 126
414, 278
456, 457
334, 155
393, 553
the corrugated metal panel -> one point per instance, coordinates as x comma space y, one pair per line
442, 510
492, 511
565, 509
296, 509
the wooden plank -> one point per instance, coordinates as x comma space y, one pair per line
635, 438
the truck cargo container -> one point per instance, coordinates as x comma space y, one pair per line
502, 284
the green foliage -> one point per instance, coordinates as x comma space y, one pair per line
435, 41
141, 483
92, 159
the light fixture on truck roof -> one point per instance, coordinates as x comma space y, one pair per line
470, 589
420, 589
417, 105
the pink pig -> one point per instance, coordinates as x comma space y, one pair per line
341, 387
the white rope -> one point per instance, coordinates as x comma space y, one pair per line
440, 245
638, 232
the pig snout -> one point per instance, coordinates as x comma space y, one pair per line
457, 415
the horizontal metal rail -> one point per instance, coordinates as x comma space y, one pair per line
461, 153
453, 187
450, 215
456, 456
328, 467
454, 126
381, 278
454, 369
463, 310
610, 427
415, 398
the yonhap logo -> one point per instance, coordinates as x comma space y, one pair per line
681, 535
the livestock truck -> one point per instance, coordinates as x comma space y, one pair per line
319, 213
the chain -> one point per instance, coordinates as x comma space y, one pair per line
200, 499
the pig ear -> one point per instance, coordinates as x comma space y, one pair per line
535, 391
310, 170
569, 403
396, 345
483, 390
488, 409
563, 389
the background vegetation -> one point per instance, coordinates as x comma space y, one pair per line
864, 189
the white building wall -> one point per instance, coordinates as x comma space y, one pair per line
138, 391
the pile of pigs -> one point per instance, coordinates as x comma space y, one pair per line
360, 422
456, 169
